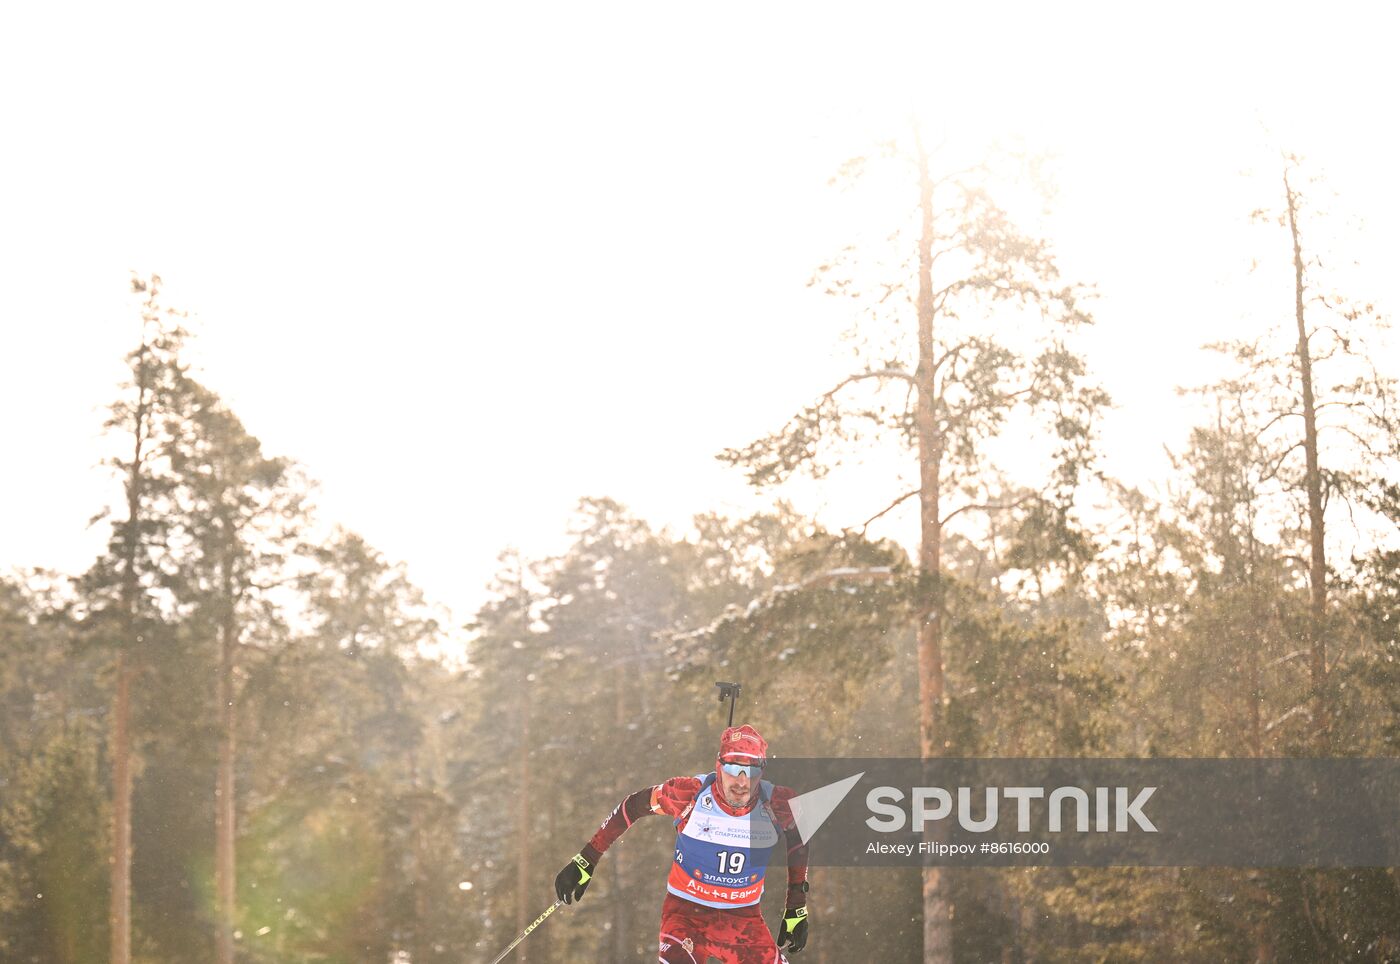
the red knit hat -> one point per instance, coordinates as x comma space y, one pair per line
743, 741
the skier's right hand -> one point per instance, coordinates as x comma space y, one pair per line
573, 880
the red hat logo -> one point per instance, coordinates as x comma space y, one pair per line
742, 741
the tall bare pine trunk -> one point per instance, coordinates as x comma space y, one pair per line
120, 908
225, 826
119, 912
1317, 568
938, 938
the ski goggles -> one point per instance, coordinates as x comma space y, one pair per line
750, 770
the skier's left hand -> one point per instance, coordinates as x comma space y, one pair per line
793, 930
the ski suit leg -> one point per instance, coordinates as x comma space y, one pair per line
691, 933
735, 939
682, 934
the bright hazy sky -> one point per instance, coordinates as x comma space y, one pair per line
470, 263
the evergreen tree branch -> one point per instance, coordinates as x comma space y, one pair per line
903, 498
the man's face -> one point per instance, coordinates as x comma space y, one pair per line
738, 790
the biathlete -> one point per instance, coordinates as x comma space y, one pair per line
727, 823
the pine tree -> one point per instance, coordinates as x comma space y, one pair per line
237, 515
972, 344
122, 581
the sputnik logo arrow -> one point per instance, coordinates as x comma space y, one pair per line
811, 809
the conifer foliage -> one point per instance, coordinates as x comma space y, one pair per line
244, 735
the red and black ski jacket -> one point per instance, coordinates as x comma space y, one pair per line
675, 798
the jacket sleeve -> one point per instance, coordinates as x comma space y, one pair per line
797, 850
669, 798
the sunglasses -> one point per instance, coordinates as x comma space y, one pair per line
748, 770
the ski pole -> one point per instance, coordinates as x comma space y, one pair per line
538, 921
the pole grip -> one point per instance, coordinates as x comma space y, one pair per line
730, 692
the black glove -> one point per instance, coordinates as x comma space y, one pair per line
793, 930
573, 879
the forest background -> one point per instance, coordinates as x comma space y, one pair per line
955, 545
